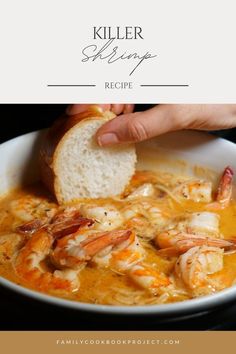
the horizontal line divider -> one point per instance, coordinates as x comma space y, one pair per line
85, 85
152, 85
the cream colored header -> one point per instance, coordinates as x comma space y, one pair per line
125, 51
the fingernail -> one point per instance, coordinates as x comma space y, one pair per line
108, 139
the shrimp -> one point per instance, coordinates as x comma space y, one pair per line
38, 248
205, 223
67, 222
174, 243
148, 278
30, 227
80, 247
196, 266
62, 223
27, 208
224, 192
195, 190
145, 218
118, 250
28, 266
197, 229
145, 190
127, 258
122, 257
107, 217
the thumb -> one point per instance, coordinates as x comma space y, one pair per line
137, 126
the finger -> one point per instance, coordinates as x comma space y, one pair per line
129, 108
138, 126
79, 108
117, 108
122, 108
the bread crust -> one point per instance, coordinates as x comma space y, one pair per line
54, 139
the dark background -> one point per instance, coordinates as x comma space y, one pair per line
17, 119
20, 313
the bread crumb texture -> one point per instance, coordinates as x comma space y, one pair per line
85, 170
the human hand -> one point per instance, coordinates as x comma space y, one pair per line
138, 126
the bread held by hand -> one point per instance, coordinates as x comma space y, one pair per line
73, 166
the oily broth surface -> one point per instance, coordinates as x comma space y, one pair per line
105, 286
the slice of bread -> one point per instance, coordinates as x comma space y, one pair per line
73, 166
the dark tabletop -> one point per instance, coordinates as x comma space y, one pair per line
19, 313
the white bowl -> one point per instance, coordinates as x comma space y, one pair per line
189, 152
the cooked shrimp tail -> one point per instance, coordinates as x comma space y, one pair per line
82, 246
183, 242
96, 243
30, 227
62, 224
68, 226
224, 192
225, 187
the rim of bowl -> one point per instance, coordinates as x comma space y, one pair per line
203, 303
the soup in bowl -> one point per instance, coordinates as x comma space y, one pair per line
167, 241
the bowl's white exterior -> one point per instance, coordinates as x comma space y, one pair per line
179, 151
